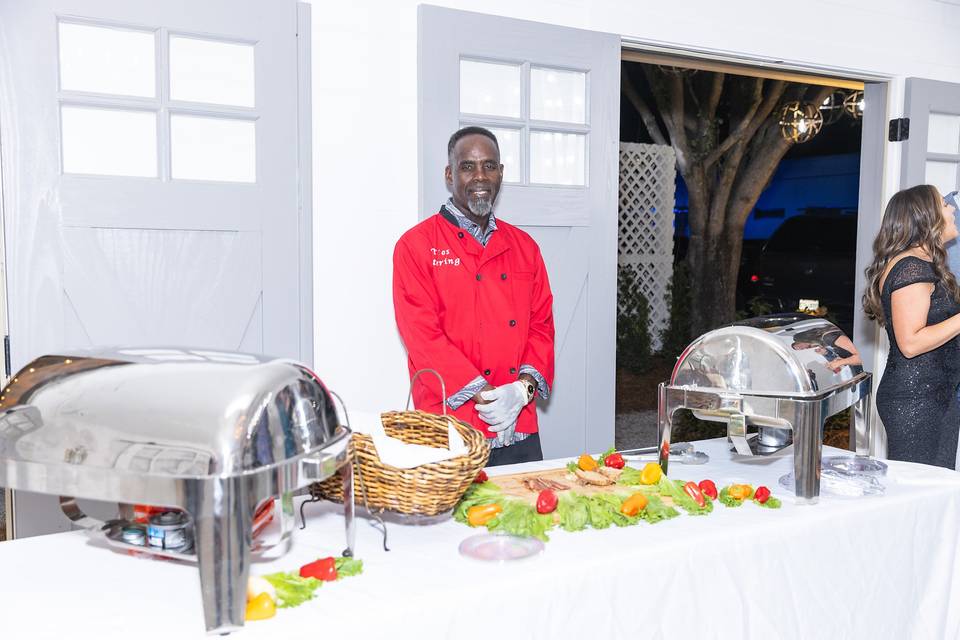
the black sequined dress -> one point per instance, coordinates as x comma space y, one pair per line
917, 397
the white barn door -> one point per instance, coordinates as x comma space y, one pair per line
150, 177
932, 152
551, 95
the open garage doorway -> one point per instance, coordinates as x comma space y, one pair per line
739, 197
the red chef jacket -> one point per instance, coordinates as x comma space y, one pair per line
467, 310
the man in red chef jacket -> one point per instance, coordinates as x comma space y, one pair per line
472, 301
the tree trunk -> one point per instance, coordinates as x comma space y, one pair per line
714, 262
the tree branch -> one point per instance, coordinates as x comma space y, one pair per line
649, 120
737, 135
766, 150
713, 100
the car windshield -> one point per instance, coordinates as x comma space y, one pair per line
813, 234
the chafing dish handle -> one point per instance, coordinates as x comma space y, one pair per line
70, 508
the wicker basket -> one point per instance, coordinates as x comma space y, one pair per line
428, 490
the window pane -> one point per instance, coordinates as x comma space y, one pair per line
107, 60
109, 142
942, 175
203, 148
558, 158
211, 71
490, 89
943, 133
509, 142
558, 95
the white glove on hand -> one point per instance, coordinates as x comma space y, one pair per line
506, 401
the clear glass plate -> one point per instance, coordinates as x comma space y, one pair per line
856, 465
491, 547
839, 484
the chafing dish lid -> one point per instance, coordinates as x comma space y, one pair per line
169, 412
777, 355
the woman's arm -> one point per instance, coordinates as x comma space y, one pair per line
909, 308
845, 343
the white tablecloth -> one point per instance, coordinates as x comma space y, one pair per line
884, 567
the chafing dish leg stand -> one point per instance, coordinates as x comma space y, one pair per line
804, 416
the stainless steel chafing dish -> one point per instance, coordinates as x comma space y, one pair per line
769, 379
213, 434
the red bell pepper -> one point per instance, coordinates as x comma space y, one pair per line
708, 488
481, 477
761, 495
692, 490
615, 461
322, 569
546, 501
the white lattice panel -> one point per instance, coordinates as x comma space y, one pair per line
647, 182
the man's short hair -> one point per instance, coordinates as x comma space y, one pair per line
470, 131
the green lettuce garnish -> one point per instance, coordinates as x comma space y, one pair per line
292, 590
674, 489
347, 567
521, 519
727, 500
629, 476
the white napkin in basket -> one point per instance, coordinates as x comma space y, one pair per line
400, 454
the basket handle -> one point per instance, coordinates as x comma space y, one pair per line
443, 388
343, 406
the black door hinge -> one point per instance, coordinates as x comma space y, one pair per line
899, 130
6, 356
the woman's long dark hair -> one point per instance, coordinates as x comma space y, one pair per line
913, 219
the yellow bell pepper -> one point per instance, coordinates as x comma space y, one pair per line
651, 473
261, 608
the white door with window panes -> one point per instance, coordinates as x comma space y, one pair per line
150, 180
931, 153
552, 97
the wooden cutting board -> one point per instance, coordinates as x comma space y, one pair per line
512, 485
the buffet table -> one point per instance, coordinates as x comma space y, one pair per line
881, 567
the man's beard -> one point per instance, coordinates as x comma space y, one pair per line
480, 206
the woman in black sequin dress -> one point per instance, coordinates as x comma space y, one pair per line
915, 296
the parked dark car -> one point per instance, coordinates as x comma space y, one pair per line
813, 258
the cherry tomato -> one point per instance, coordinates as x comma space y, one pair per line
546, 501
614, 460
481, 477
708, 488
761, 495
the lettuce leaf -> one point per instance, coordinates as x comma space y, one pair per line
484, 493
573, 513
572, 467
656, 510
521, 519
629, 476
347, 567
292, 590
727, 500
674, 490
771, 503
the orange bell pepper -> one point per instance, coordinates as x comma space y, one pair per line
633, 505
740, 491
480, 514
586, 463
